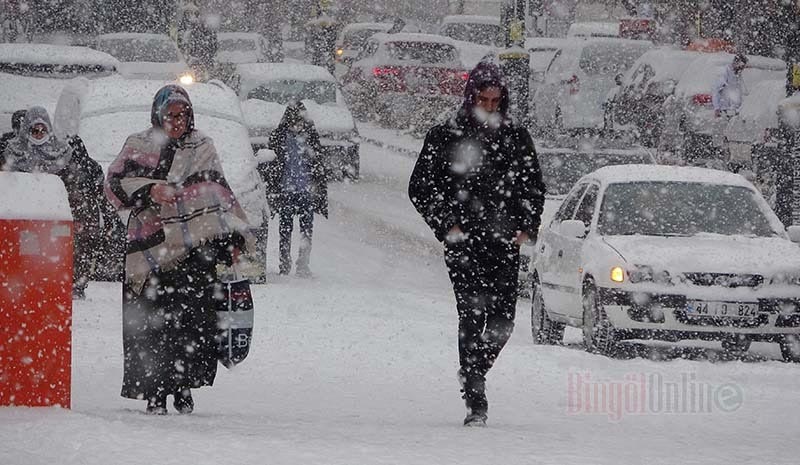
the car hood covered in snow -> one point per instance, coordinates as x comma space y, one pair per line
328, 119
709, 253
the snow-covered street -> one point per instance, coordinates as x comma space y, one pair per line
358, 365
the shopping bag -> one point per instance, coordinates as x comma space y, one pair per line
235, 321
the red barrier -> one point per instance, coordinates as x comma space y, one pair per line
35, 293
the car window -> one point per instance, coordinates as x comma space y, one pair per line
568, 207
358, 38
586, 209
485, 34
610, 58
368, 50
140, 50
286, 90
237, 45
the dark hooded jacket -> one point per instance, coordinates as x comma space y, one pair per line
273, 172
483, 176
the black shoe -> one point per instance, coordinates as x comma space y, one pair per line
157, 405
184, 403
476, 419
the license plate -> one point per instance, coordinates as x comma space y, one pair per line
722, 309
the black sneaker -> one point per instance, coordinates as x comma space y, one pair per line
184, 403
157, 405
474, 389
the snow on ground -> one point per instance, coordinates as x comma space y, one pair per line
357, 365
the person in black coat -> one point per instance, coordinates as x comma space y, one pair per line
478, 185
16, 122
296, 183
37, 149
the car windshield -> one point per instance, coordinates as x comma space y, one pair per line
681, 209
486, 34
59, 71
237, 45
561, 170
147, 50
610, 58
284, 91
357, 39
426, 52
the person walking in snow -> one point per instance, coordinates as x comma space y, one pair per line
296, 184
727, 93
184, 221
478, 186
37, 149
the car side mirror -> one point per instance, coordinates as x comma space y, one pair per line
265, 156
794, 233
573, 228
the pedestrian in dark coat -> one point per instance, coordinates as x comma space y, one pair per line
296, 183
38, 149
184, 220
16, 123
478, 185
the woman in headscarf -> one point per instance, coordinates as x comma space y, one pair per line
37, 149
296, 184
184, 220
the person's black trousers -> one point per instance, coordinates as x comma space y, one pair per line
484, 276
296, 205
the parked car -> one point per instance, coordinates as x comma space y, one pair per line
578, 81
563, 167
266, 89
666, 252
639, 98
144, 56
35, 74
484, 30
108, 111
753, 133
354, 37
236, 48
406, 79
690, 127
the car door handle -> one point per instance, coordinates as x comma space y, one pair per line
560, 254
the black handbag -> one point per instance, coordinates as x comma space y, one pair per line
235, 321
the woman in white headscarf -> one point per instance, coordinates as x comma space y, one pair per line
37, 149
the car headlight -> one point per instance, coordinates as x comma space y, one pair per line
186, 79
646, 274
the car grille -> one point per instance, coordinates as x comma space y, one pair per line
724, 280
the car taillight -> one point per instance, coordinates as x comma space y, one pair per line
379, 71
574, 85
701, 99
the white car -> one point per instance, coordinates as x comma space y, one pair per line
266, 89
406, 79
690, 123
561, 169
246, 47
35, 74
484, 30
753, 133
666, 252
578, 81
354, 37
108, 111
594, 29
144, 56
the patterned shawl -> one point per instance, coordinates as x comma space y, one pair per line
159, 236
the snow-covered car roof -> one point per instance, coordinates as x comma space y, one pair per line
366, 27
134, 36
471, 19
263, 72
666, 173
238, 35
593, 29
46, 54
702, 72
120, 95
549, 43
759, 112
413, 37
44, 194
666, 62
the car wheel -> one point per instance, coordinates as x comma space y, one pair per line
790, 348
599, 335
735, 347
544, 330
